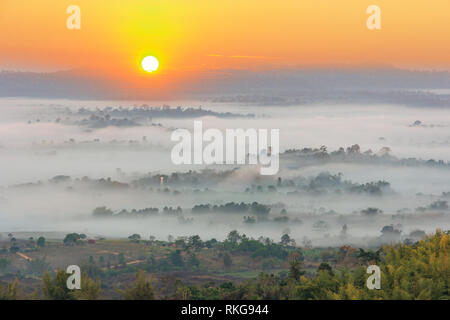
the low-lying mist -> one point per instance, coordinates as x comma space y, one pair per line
58, 166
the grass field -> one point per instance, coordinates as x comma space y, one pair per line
116, 262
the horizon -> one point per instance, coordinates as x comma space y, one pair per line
191, 40
84, 84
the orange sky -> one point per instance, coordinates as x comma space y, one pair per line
191, 37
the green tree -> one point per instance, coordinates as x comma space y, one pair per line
325, 267
41, 242
10, 291
286, 240
195, 242
71, 238
55, 288
233, 237
142, 290
135, 237
101, 212
90, 289
295, 265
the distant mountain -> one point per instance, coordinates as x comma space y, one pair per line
64, 84
302, 84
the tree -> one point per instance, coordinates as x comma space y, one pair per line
182, 292
71, 238
390, 234
195, 242
11, 291
371, 212
233, 237
142, 290
135, 237
90, 289
286, 240
325, 267
295, 265
369, 256
56, 288
101, 212
40, 242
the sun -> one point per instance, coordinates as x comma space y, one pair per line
150, 64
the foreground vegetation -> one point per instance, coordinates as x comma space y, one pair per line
418, 270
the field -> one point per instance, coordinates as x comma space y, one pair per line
236, 268
118, 260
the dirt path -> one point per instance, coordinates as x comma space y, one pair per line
24, 256
135, 262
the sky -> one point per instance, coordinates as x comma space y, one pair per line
191, 38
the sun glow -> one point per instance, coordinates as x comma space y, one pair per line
150, 64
